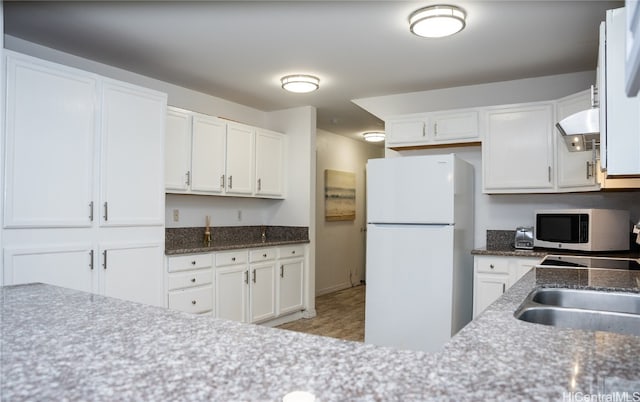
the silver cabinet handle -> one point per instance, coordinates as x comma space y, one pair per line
91, 259
230, 182
259, 184
549, 173
222, 181
193, 302
104, 259
281, 271
188, 182
193, 280
106, 211
504, 287
435, 128
233, 258
264, 255
424, 129
91, 211
590, 169
254, 276
246, 277
491, 266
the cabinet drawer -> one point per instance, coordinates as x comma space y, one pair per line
263, 254
198, 300
185, 262
292, 251
231, 258
492, 265
190, 279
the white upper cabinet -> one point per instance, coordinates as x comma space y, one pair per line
240, 158
269, 163
575, 170
177, 150
620, 141
50, 134
633, 48
208, 152
132, 183
222, 158
406, 131
455, 126
436, 128
517, 151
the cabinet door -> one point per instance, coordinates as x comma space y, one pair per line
518, 267
517, 152
488, 288
622, 144
263, 291
132, 272
231, 293
132, 182
406, 131
448, 127
177, 150
240, 157
291, 285
574, 169
50, 131
208, 154
269, 163
69, 266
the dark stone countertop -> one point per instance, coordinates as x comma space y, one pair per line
59, 344
543, 252
191, 240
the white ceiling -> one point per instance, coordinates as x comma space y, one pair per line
238, 50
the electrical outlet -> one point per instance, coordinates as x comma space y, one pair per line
239, 215
176, 215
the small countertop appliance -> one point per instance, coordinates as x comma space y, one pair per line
524, 238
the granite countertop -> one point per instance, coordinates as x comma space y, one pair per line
63, 344
191, 240
543, 252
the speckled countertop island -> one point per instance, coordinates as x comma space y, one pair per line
59, 344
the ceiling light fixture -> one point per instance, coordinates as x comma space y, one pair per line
373, 136
300, 83
437, 21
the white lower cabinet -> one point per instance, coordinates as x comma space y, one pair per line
493, 275
232, 286
190, 283
126, 271
291, 280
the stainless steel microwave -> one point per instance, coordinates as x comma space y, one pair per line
582, 229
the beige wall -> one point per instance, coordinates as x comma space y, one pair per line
340, 246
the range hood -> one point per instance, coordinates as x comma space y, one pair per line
581, 131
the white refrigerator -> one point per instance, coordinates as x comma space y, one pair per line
419, 269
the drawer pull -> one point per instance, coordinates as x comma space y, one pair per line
264, 255
281, 271
254, 276
293, 252
193, 302
491, 266
193, 280
233, 258
193, 263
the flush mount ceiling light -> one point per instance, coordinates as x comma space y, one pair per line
300, 83
437, 21
373, 136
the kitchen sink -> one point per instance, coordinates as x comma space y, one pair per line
588, 299
583, 309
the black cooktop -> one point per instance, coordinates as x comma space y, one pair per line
590, 262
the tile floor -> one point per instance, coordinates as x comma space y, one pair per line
339, 315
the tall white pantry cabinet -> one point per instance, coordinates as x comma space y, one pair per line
83, 181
